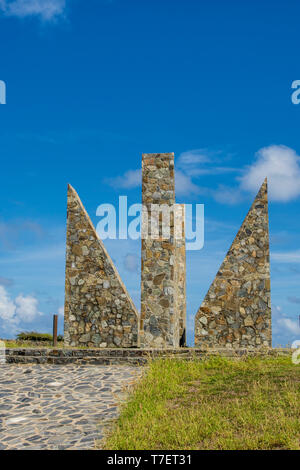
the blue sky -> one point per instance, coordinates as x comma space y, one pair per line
93, 85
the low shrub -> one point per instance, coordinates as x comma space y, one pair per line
35, 336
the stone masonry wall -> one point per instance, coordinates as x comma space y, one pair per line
98, 308
236, 311
159, 326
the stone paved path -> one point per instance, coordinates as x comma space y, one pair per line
57, 406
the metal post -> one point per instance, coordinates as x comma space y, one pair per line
54, 330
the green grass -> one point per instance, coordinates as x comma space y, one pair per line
217, 404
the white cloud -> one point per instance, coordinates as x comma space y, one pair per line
26, 308
130, 179
47, 10
291, 326
281, 165
7, 310
13, 312
285, 327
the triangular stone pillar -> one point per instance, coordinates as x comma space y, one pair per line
236, 311
98, 309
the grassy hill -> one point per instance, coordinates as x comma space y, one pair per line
221, 403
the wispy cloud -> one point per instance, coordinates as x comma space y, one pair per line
286, 256
193, 164
131, 262
61, 311
6, 282
46, 253
191, 159
184, 184
188, 166
219, 226
130, 179
133, 179
227, 195
190, 324
11, 232
200, 162
46, 10
294, 300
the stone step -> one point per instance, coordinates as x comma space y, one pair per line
124, 356
89, 360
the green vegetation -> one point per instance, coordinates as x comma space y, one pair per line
37, 344
11, 343
221, 403
35, 336
33, 339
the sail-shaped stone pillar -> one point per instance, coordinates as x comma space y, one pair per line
236, 311
98, 309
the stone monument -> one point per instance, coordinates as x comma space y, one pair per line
163, 304
236, 311
98, 309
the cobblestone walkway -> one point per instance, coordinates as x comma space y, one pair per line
57, 406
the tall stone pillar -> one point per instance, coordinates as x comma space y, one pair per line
160, 318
